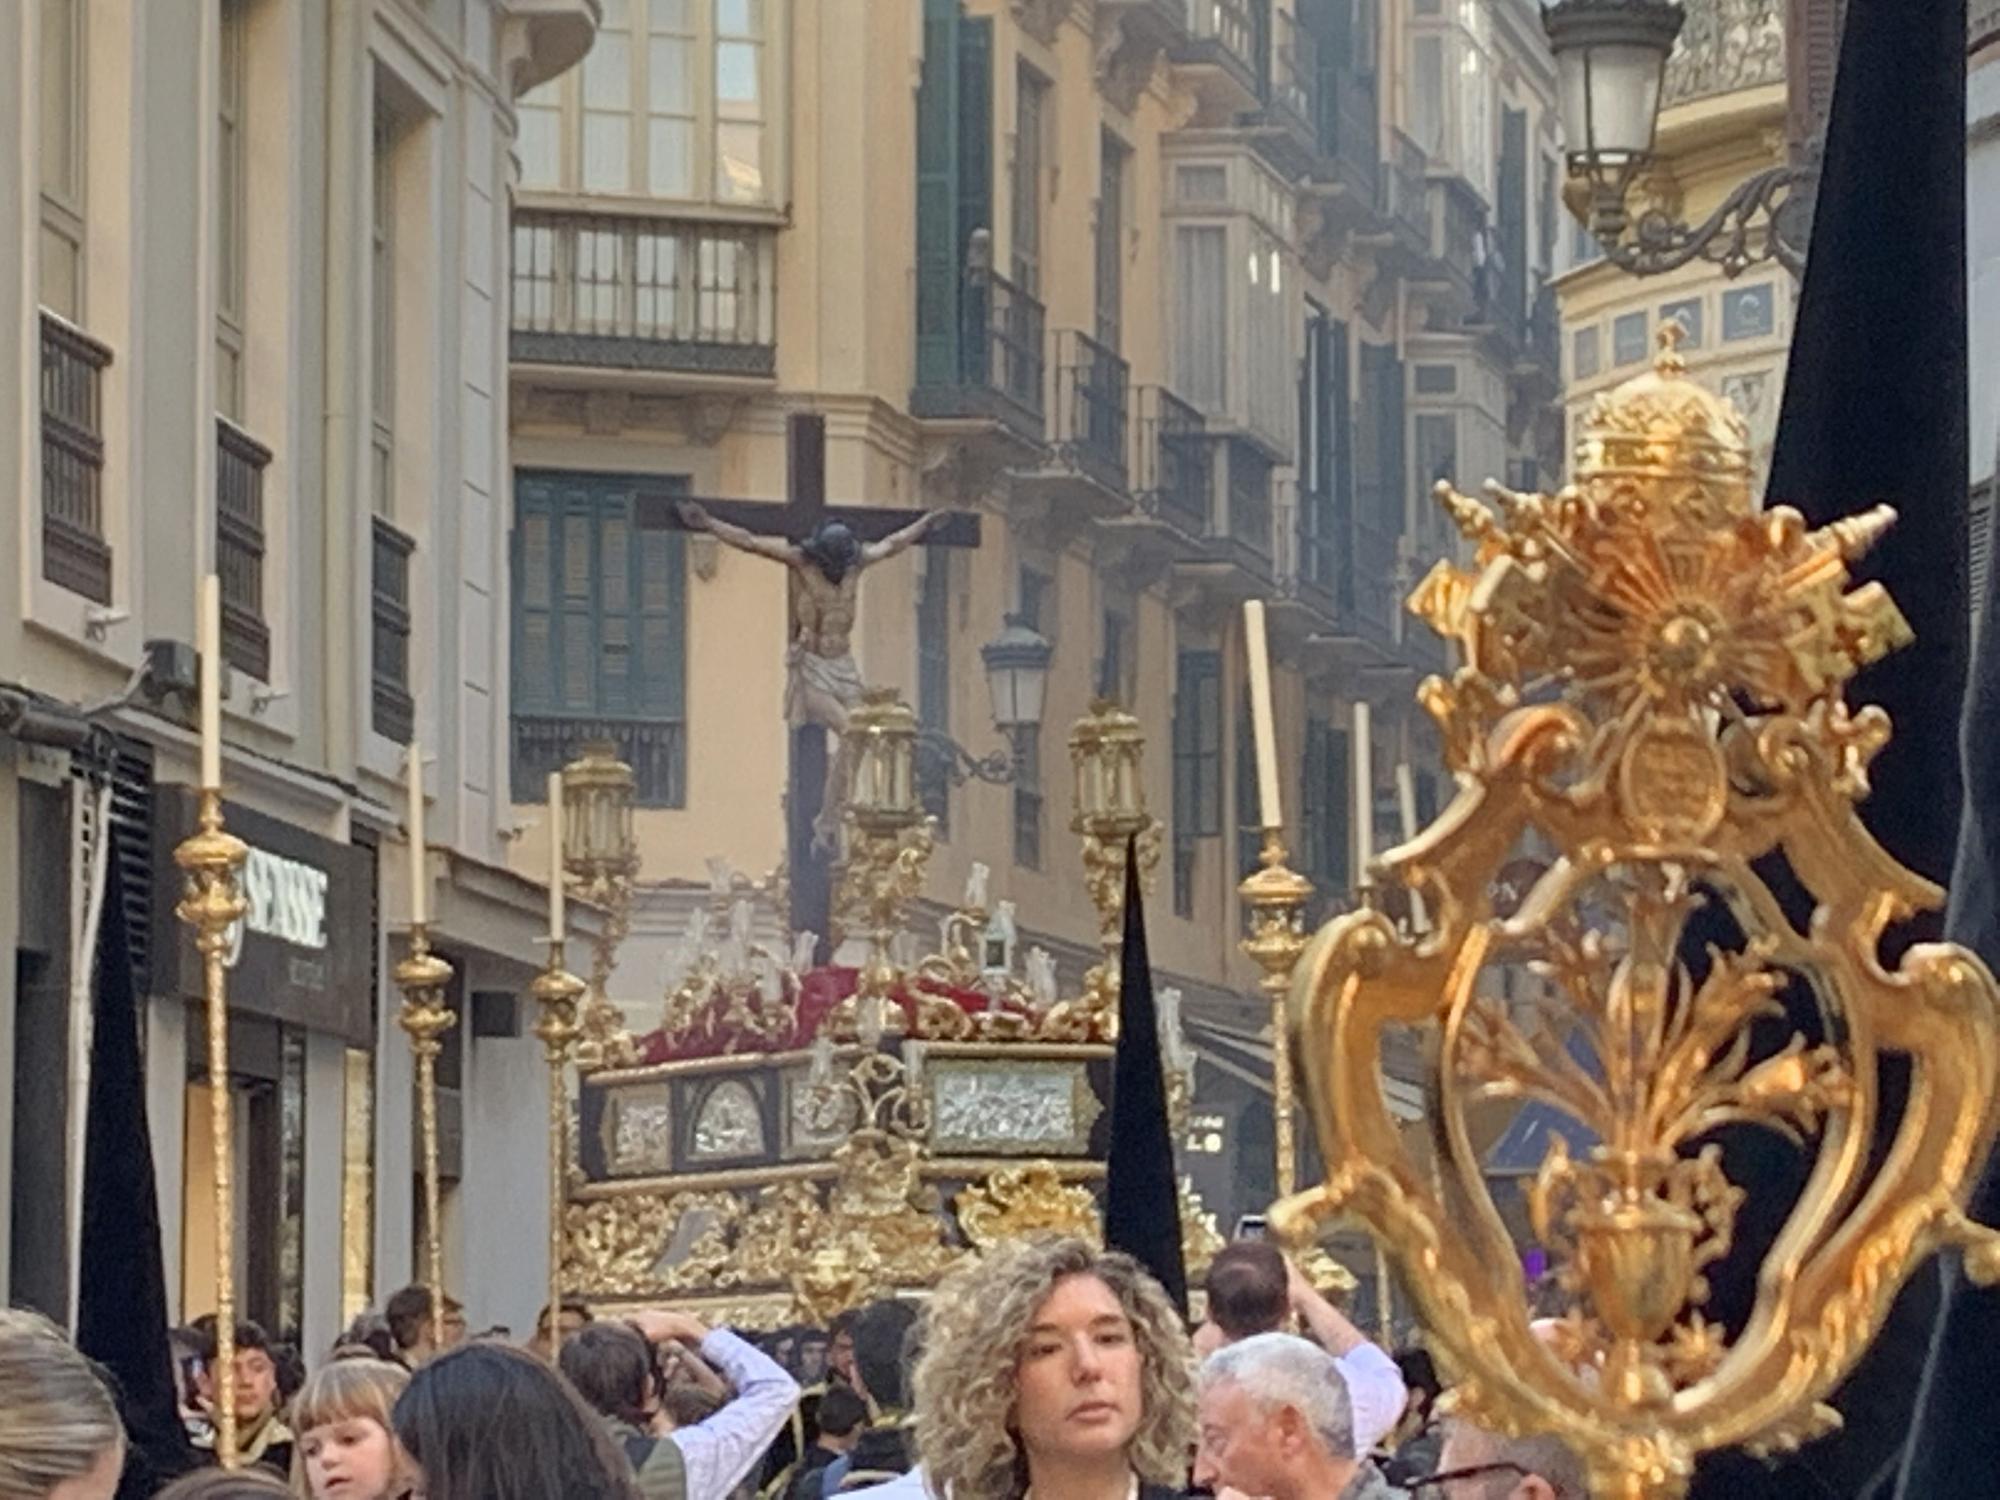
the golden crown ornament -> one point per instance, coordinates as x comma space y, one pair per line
1652, 689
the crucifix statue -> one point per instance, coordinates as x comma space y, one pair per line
826, 549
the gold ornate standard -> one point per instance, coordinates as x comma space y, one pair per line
425, 1018
601, 859
556, 993
1652, 684
1106, 749
1277, 897
212, 905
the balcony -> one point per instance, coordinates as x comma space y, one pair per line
1173, 479
75, 554
1218, 58
1982, 24
1350, 141
1093, 408
656, 750
1000, 366
1288, 137
240, 461
1403, 198
667, 296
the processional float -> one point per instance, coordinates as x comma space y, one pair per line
792, 1140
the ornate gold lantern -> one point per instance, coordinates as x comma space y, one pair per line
1106, 751
601, 858
1652, 685
882, 757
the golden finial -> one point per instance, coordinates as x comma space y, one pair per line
1669, 361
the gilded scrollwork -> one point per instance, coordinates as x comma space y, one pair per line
1025, 1200
1651, 683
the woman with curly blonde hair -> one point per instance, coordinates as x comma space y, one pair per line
1055, 1370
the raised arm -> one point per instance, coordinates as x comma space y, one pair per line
900, 541
696, 518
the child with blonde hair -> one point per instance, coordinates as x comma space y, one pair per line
347, 1443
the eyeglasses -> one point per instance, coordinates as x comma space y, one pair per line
1434, 1488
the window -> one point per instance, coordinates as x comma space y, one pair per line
599, 633
75, 554
382, 314
1324, 797
61, 166
1110, 240
1380, 460
1036, 606
1748, 312
231, 213
1028, 796
954, 197
1436, 380
1249, 814
1198, 745
1201, 314
672, 101
1117, 668
393, 708
1031, 102
934, 682
1436, 439
240, 461
1628, 338
1427, 120
1583, 353
1688, 314
1197, 765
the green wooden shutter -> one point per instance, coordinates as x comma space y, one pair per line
659, 627
533, 672
1339, 820
939, 266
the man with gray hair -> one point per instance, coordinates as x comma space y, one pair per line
1481, 1465
1277, 1423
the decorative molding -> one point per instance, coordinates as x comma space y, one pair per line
1726, 45
1041, 19
706, 418
1126, 62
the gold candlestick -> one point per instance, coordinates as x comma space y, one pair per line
556, 993
425, 1018
213, 904
1277, 896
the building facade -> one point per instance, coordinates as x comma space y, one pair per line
1190, 300
1723, 118
257, 308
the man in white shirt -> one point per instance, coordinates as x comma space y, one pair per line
706, 1460
1253, 1289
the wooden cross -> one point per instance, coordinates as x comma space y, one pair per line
797, 517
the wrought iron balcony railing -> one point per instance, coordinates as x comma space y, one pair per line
75, 553
636, 292
1173, 478
1093, 402
1001, 364
655, 749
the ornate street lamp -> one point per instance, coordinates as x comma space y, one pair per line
1611, 58
1017, 676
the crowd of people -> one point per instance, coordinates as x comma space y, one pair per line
1047, 1369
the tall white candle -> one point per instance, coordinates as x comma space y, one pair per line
558, 914
208, 642
419, 884
1262, 725
1364, 797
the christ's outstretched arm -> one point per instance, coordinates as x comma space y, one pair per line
696, 518
898, 541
